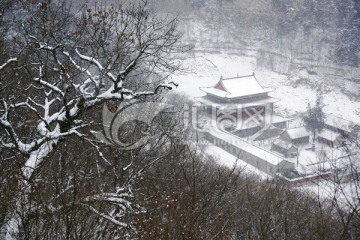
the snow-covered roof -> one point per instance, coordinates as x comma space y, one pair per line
270, 132
216, 92
250, 123
299, 132
237, 87
328, 135
283, 144
339, 123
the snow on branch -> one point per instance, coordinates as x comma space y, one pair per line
76, 65
112, 197
44, 45
61, 81
5, 123
107, 217
91, 142
129, 94
90, 59
47, 84
96, 63
8, 62
119, 199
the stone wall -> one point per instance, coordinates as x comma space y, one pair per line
282, 167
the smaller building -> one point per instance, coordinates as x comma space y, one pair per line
332, 139
296, 136
286, 149
339, 125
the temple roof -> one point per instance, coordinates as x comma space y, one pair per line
236, 87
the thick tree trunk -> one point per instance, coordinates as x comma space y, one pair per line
13, 223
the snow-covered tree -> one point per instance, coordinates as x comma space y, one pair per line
314, 118
60, 61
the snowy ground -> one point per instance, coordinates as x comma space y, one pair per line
295, 92
345, 194
229, 160
205, 70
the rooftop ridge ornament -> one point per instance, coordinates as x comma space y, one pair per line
237, 76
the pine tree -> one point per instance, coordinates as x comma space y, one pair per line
314, 118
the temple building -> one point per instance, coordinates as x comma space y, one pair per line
244, 102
